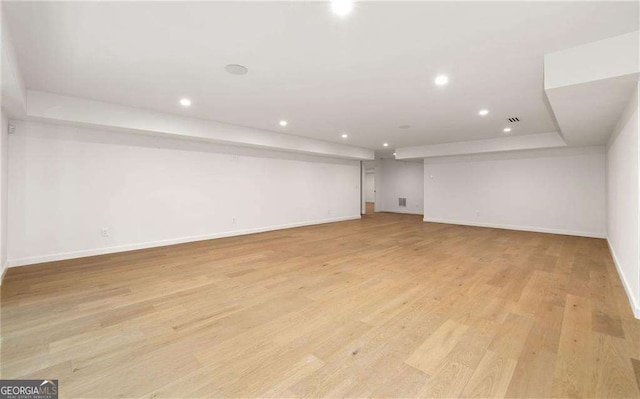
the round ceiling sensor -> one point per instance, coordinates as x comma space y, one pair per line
236, 69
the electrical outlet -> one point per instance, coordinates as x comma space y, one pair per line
104, 232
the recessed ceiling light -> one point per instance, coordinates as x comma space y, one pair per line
442, 80
483, 112
236, 69
344, 135
506, 129
341, 7
386, 144
283, 123
185, 102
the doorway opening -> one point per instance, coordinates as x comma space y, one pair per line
369, 188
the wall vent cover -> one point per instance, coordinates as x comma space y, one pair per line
402, 202
514, 119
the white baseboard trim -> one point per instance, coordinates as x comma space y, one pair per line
400, 211
521, 228
634, 302
4, 271
161, 243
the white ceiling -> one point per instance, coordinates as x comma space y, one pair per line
365, 74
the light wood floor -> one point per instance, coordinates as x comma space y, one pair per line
387, 306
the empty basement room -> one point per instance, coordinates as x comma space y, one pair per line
320, 199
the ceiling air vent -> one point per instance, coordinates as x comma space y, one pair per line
514, 119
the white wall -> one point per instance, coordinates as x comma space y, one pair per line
363, 204
623, 200
555, 190
3, 192
395, 179
66, 184
370, 187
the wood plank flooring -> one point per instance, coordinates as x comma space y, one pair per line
386, 306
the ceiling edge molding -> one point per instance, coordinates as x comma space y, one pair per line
524, 154
55, 108
499, 144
